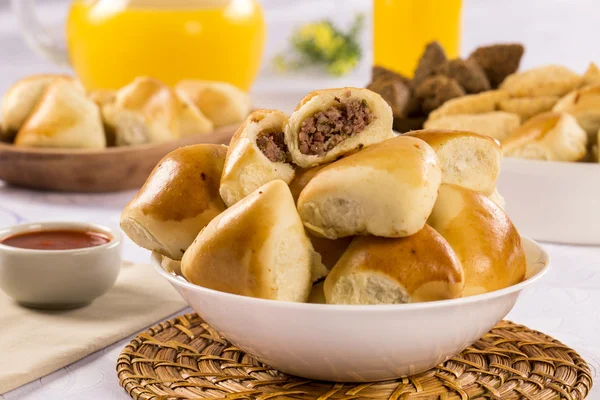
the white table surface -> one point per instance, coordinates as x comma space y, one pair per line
565, 304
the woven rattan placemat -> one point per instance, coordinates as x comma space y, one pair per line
184, 358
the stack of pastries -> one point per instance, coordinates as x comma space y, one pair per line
56, 111
330, 206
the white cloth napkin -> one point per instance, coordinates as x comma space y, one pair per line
34, 343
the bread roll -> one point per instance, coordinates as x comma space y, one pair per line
65, 118
547, 80
497, 198
255, 248
471, 104
330, 123
387, 190
467, 159
221, 102
497, 124
482, 236
550, 137
191, 120
584, 105
179, 198
528, 107
592, 75
257, 154
417, 268
20, 100
102, 96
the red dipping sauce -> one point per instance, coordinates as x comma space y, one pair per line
59, 239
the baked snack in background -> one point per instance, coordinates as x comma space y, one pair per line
179, 198
472, 104
375, 270
527, 107
433, 56
395, 89
466, 72
551, 137
62, 118
482, 236
255, 248
591, 75
330, 123
257, 154
498, 60
466, 158
221, 102
22, 97
386, 190
497, 124
584, 105
497, 198
435, 91
548, 80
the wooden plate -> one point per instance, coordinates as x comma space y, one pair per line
92, 171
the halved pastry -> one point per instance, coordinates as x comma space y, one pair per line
467, 159
550, 136
482, 236
179, 198
63, 117
221, 102
330, 123
387, 189
20, 100
257, 154
255, 248
584, 105
417, 268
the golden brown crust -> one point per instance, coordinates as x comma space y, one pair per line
302, 177
436, 137
534, 129
184, 184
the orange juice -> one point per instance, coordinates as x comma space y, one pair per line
113, 41
402, 29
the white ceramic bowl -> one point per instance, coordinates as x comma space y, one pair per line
354, 343
553, 201
58, 279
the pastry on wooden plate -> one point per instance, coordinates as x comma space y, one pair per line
63, 118
179, 198
548, 80
257, 154
221, 102
22, 97
467, 159
550, 136
497, 124
482, 236
387, 189
471, 104
527, 107
375, 270
255, 248
330, 123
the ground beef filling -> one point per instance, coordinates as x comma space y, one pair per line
272, 145
326, 129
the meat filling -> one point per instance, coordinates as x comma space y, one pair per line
272, 145
326, 129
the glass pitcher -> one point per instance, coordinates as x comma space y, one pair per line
110, 42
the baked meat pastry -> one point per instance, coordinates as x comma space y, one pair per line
467, 159
547, 80
497, 198
482, 236
549, 136
387, 189
584, 105
592, 75
255, 248
179, 198
257, 154
497, 124
330, 123
20, 100
417, 268
221, 102
63, 117
527, 107
471, 104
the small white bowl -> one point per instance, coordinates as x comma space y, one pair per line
58, 279
349, 343
553, 201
